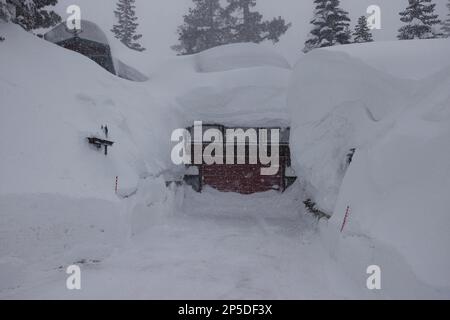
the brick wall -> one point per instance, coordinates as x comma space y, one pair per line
245, 179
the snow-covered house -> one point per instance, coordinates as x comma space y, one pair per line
90, 41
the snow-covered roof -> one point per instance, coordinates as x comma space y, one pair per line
89, 31
238, 85
238, 56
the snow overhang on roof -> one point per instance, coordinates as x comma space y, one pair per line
89, 31
284, 131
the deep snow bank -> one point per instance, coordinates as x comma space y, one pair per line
52, 99
337, 103
413, 59
398, 187
57, 199
398, 184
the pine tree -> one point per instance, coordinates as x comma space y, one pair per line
5, 15
204, 27
208, 25
248, 25
446, 23
125, 30
331, 25
420, 18
30, 14
362, 31
34, 14
5, 11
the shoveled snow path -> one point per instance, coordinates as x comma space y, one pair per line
217, 246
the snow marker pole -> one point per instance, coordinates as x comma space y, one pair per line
345, 218
117, 180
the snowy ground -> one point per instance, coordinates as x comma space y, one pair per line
222, 246
216, 246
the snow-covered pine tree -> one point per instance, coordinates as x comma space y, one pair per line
446, 23
34, 14
125, 29
5, 15
362, 31
5, 11
30, 14
420, 18
247, 25
331, 25
208, 25
204, 27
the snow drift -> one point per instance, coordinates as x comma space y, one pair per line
407, 60
57, 199
398, 183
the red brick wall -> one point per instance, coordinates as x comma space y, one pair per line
245, 179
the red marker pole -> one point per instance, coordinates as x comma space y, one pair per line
117, 181
345, 218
